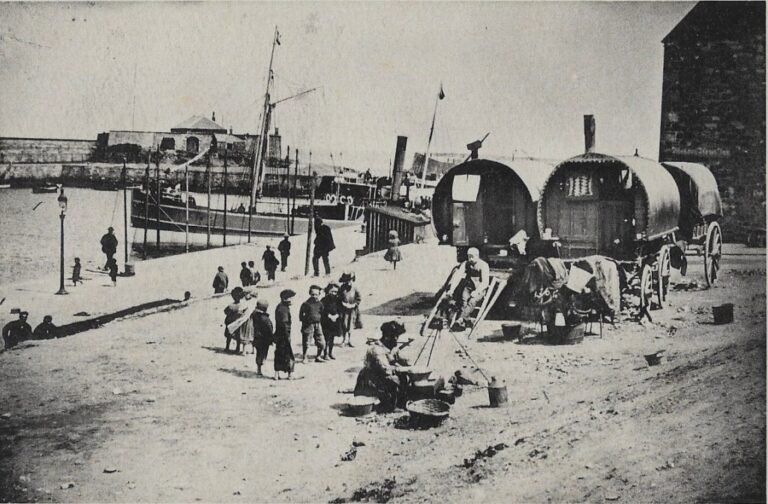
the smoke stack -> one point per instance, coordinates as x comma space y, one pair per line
397, 169
213, 116
589, 133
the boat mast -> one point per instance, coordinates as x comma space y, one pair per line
208, 207
440, 96
258, 157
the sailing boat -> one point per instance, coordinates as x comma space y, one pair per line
172, 209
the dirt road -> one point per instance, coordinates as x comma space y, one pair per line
151, 410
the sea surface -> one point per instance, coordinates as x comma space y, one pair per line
30, 231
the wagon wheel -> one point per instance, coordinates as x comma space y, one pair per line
661, 277
646, 289
712, 251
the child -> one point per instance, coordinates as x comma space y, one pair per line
284, 360
331, 318
232, 312
256, 278
263, 333
112, 265
76, 272
350, 307
311, 315
393, 254
270, 263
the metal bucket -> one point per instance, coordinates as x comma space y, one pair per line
129, 270
497, 394
723, 314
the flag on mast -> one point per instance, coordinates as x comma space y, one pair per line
441, 94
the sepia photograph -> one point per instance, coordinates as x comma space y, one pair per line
370, 251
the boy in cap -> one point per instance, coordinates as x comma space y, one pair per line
232, 312
284, 360
331, 318
311, 316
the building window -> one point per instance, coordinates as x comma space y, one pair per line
193, 144
168, 144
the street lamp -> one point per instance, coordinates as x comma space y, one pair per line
63, 205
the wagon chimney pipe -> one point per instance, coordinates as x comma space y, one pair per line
397, 169
589, 133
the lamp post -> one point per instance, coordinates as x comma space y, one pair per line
63, 205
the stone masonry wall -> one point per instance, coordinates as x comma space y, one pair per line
46, 150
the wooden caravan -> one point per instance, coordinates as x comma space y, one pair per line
482, 203
623, 207
700, 210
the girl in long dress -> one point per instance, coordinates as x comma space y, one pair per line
393, 254
284, 358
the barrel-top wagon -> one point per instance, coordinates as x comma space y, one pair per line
700, 210
483, 203
623, 207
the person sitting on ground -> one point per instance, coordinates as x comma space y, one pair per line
379, 377
246, 275
76, 272
187, 295
220, 281
270, 263
16, 331
233, 312
331, 321
256, 277
284, 359
46, 329
311, 316
468, 286
263, 333
350, 298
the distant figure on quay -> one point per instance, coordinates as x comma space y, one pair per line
109, 245
285, 250
323, 246
220, 281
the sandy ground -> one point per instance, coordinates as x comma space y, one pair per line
151, 410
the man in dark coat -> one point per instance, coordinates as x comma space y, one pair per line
220, 281
285, 250
109, 245
323, 246
17, 331
270, 263
46, 329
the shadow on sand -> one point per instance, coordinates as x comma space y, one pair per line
416, 303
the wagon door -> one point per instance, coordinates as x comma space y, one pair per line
580, 219
460, 224
615, 224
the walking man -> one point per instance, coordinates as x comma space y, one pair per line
220, 281
285, 250
270, 263
323, 246
109, 245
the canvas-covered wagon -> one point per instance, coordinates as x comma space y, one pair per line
700, 210
623, 207
483, 203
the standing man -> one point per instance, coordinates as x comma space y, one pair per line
323, 246
469, 284
17, 331
109, 245
220, 281
285, 250
270, 263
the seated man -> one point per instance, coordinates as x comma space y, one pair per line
379, 377
469, 284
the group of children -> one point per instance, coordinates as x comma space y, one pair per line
249, 275
322, 318
110, 266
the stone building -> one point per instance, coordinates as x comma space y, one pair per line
713, 103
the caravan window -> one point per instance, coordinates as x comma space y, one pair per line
465, 188
579, 185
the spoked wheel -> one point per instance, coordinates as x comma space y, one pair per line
646, 289
661, 277
713, 247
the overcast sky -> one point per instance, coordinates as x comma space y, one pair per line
525, 72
